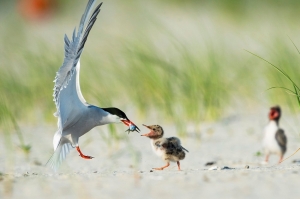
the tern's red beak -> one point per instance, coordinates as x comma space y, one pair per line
129, 123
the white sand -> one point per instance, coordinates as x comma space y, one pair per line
122, 169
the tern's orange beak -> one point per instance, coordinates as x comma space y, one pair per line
130, 123
127, 122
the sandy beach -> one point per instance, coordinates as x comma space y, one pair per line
122, 169
196, 62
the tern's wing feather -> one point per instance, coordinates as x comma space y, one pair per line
67, 95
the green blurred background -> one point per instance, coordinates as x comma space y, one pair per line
181, 62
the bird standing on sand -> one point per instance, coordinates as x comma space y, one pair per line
75, 116
169, 149
274, 141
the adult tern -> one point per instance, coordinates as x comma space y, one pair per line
75, 116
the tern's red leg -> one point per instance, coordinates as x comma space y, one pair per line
161, 168
178, 164
81, 154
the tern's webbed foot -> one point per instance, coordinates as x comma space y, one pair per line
83, 156
86, 157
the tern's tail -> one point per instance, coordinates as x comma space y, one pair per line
64, 146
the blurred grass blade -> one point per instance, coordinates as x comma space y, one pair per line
294, 45
290, 91
297, 94
277, 68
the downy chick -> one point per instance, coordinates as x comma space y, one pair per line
275, 141
169, 149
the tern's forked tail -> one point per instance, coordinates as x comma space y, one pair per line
63, 148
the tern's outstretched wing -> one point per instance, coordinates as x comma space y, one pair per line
67, 95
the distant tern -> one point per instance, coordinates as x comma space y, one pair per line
75, 116
169, 149
275, 141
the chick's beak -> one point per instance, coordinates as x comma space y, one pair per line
147, 126
150, 134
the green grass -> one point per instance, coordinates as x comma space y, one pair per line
289, 73
186, 86
180, 64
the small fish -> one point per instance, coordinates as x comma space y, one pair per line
132, 128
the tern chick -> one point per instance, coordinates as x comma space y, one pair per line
169, 149
275, 141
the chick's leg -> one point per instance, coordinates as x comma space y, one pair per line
161, 168
267, 158
281, 158
178, 164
